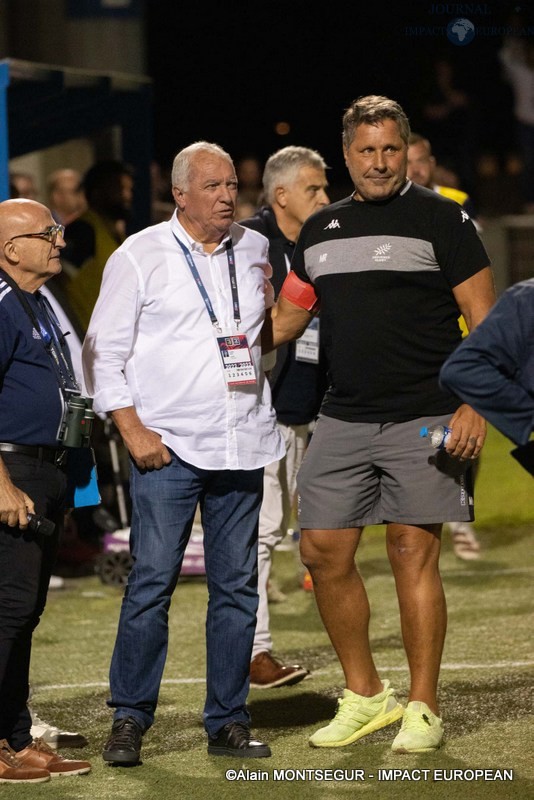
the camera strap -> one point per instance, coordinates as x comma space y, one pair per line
50, 334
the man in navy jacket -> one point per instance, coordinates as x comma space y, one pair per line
493, 369
294, 183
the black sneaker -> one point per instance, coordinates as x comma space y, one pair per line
235, 740
124, 744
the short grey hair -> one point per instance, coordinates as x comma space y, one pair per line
372, 110
182, 164
282, 168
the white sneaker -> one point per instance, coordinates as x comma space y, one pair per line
56, 582
54, 737
464, 541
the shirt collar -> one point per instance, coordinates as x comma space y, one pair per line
187, 239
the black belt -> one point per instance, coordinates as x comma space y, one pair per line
53, 455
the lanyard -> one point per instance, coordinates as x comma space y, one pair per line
54, 345
202, 289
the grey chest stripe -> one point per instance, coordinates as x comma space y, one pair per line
370, 253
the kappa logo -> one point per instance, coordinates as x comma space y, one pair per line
382, 252
465, 215
35, 334
332, 224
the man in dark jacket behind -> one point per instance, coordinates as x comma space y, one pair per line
294, 183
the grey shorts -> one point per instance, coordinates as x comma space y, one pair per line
362, 473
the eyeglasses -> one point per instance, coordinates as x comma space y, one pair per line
50, 234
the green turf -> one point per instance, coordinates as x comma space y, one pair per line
504, 490
486, 686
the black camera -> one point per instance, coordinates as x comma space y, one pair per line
39, 524
77, 422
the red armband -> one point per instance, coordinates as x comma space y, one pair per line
300, 293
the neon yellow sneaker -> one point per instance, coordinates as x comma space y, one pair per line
421, 730
356, 716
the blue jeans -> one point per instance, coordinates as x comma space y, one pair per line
163, 509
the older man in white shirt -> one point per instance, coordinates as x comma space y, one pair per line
173, 352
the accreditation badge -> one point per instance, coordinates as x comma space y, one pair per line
307, 347
238, 367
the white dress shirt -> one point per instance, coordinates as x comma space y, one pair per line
75, 345
151, 344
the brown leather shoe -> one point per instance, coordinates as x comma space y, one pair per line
12, 771
39, 754
266, 672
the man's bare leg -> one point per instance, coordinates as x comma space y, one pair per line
414, 556
342, 602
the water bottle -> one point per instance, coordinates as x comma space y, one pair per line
437, 435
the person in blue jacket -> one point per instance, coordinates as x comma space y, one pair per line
493, 369
36, 378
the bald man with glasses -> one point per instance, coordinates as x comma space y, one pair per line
36, 380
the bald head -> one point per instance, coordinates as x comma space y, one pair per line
24, 184
22, 216
63, 175
30, 260
65, 194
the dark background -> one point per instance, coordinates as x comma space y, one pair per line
229, 72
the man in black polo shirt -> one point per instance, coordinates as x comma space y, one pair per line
35, 377
391, 268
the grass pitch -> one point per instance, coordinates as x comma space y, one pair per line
486, 686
